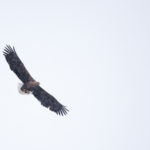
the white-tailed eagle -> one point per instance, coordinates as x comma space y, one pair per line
31, 85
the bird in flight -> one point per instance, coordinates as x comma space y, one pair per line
30, 85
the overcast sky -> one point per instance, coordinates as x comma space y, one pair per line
94, 57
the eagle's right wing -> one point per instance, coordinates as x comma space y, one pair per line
16, 64
49, 101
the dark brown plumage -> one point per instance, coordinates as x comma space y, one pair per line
31, 85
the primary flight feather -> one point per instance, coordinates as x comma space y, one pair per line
31, 85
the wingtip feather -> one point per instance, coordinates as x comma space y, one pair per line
63, 111
8, 50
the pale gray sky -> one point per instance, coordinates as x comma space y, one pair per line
93, 56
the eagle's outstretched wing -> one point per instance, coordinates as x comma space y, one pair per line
19, 69
49, 101
16, 64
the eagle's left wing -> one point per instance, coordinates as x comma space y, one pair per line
16, 64
49, 101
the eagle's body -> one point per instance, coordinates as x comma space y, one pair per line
30, 84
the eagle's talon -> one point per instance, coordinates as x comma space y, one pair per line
26, 91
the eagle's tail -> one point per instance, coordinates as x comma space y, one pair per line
19, 89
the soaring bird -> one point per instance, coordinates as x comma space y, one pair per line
30, 85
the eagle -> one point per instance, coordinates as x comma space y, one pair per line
30, 85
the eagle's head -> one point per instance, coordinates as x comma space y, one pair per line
29, 87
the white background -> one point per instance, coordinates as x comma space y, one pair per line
93, 56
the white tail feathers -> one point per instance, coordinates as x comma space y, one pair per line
19, 89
